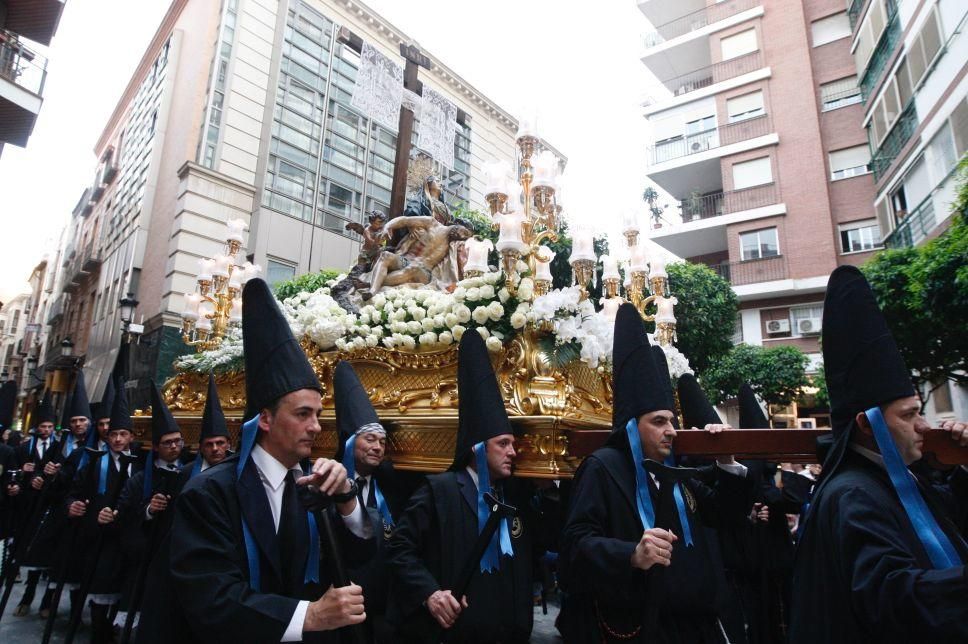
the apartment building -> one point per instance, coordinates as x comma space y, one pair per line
241, 109
912, 59
24, 24
758, 136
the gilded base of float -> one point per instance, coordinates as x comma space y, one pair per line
554, 411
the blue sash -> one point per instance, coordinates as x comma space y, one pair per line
349, 462
490, 560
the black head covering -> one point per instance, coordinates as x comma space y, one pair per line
79, 405
45, 412
65, 422
275, 364
8, 402
751, 415
120, 411
103, 408
636, 386
162, 422
861, 361
481, 405
213, 419
665, 384
696, 410
353, 407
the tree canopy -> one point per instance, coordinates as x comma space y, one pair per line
776, 375
705, 314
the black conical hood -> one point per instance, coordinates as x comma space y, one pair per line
103, 408
213, 419
861, 361
353, 407
79, 405
665, 384
275, 364
636, 386
8, 402
162, 422
120, 411
751, 415
65, 422
45, 411
696, 409
481, 406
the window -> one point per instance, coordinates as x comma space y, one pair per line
959, 125
830, 29
806, 320
739, 44
744, 107
924, 48
869, 32
940, 154
941, 395
752, 173
700, 125
839, 93
849, 162
758, 244
860, 236
277, 271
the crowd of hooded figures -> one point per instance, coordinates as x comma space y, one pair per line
264, 544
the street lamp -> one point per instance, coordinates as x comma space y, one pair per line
67, 347
127, 306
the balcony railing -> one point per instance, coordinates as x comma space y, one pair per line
882, 52
724, 203
914, 228
697, 20
706, 76
20, 65
86, 261
895, 140
753, 271
710, 139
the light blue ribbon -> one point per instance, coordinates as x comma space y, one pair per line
349, 462
197, 467
490, 560
102, 480
939, 548
680, 505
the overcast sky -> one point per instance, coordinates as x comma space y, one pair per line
576, 68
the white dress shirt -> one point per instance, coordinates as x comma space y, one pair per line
159, 465
273, 475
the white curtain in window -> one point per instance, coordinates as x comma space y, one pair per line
739, 44
830, 29
744, 106
838, 88
859, 155
752, 173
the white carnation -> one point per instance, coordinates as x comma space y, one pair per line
427, 324
414, 327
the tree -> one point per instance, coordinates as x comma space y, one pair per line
706, 313
309, 282
776, 375
822, 397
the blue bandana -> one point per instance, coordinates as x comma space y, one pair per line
349, 462
940, 550
490, 560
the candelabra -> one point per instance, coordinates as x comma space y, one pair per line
216, 306
656, 280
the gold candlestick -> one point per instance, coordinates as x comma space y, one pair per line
611, 286
584, 271
509, 260
496, 202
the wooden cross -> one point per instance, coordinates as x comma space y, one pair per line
401, 163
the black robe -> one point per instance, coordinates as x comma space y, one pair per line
862, 575
201, 592
38, 518
600, 535
8, 462
428, 549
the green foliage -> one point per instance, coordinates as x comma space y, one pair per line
479, 222
309, 282
776, 374
559, 355
822, 397
706, 313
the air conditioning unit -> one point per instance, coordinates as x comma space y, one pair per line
698, 146
778, 326
809, 326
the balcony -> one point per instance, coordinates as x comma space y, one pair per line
894, 142
882, 53
914, 228
86, 262
753, 271
34, 19
22, 77
56, 312
732, 201
698, 79
711, 139
696, 20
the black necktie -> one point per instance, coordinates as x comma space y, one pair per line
360, 482
288, 533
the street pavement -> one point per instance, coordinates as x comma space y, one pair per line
30, 628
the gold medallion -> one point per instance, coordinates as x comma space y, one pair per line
690, 499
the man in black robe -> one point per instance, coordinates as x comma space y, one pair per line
361, 448
213, 440
433, 539
882, 554
246, 563
614, 561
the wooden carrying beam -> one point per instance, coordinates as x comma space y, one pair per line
777, 445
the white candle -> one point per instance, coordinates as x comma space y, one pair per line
496, 175
630, 222
235, 315
510, 237
235, 278
221, 268
235, 226
545, 169
203, 324
250, 271
190, 312
658, 268
610, 307
526, 127
582, 246
639, 260
477, 250
543, 266
205, 270
664, 309
609, 268
627, 282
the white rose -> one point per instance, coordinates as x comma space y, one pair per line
495, 311
428, 339
414, 327
440, 320
400, 315
379, 300
493, 344
463, 314
458, 332
445, 338
518, 320
417, 313
427, 324
378, 331
389, 343
408, 342
503, 295
473, 294
491, 277
487, 292
521, 266
409, 303
450, 320
364, 318
525, 289
484, 332
480, 314
459, 293
372, 340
